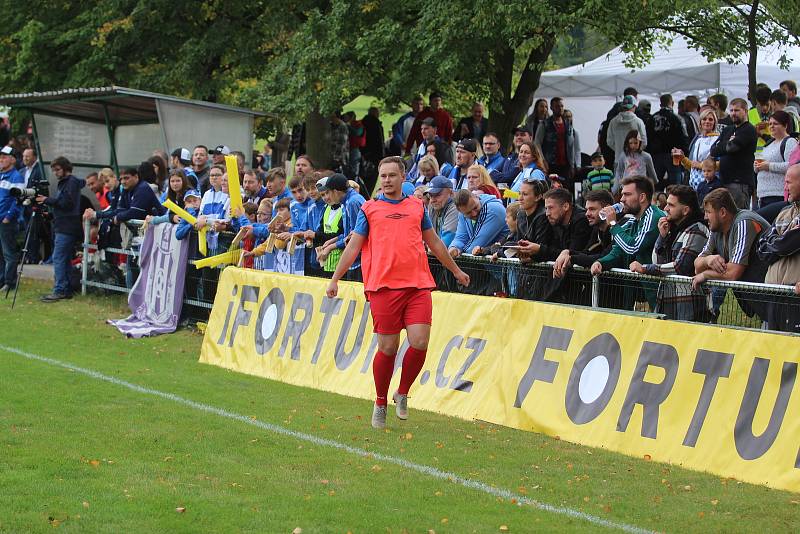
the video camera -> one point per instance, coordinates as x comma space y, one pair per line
27, 195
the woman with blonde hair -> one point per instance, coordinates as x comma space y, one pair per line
700, 147
112, 189
428, 168
478, 179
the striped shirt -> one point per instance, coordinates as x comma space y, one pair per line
737, 245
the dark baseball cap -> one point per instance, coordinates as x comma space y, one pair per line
468, 144
430, 121
335, 182
438, 184
521, 129
182, 154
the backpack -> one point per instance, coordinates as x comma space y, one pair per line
793, 135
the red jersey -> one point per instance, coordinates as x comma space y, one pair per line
394, 254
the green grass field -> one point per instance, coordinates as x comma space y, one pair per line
92, 453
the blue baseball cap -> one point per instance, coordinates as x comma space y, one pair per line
408, 188
192, 193
439, 183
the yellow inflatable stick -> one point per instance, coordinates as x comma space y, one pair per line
234, 191
231, 257
191, 219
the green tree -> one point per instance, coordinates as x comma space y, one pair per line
204, 50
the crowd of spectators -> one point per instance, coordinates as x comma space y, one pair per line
706, 191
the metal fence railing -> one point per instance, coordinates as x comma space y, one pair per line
737, 304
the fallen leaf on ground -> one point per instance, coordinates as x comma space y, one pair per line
180, 509
503, 528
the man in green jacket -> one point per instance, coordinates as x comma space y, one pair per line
633, 237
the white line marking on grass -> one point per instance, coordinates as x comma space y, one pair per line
276, 429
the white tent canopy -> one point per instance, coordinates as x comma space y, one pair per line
678, 69
591, 88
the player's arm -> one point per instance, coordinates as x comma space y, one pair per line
438, 249
349, 255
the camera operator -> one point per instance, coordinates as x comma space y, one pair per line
65, 207
9, 213
40, 234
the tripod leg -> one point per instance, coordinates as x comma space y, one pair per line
21, 264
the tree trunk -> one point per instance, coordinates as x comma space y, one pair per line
318, 139
508, 110
752, 60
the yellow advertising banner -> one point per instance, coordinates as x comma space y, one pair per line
707, 398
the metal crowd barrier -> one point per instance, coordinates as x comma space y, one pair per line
734, 304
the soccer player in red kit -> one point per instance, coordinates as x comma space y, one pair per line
390, 234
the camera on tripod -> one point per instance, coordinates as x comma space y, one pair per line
27, 195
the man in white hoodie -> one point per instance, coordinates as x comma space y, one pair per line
623, 123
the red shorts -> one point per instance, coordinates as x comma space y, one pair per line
394, 309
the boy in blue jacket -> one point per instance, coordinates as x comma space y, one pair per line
191, 200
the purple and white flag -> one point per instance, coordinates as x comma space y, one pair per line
157, 296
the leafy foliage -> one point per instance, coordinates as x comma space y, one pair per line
315, 56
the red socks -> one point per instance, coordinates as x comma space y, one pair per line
413, 360
383, 368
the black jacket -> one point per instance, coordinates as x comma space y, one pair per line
598, 245
534, 227
470, 123
736, 149
66, 206
665, 131
136, 203
572, 236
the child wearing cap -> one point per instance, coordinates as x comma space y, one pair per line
316, 208
599, 178
191, 203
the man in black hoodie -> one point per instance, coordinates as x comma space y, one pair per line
666, 132
65, 208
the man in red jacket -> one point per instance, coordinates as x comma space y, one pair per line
444, 122
397, 280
